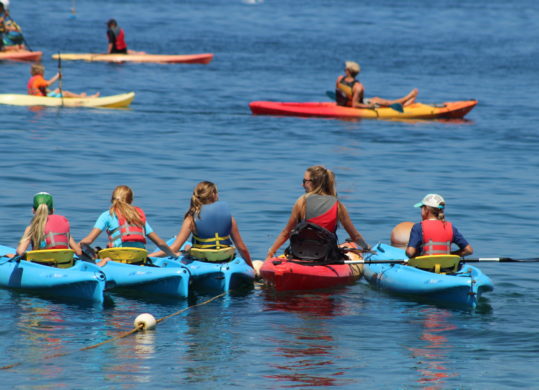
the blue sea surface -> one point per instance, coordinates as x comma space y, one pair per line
192, 122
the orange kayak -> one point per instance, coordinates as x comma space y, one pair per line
20, 55
446, 110
204, 58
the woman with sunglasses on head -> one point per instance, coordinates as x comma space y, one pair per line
434, 235
320, 206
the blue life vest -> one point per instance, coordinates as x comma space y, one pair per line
213, 225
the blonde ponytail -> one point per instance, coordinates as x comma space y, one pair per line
323, 180
122, 197
204, 193
36, 233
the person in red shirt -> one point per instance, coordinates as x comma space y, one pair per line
38, 86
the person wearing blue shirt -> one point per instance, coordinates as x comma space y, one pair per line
125, 224
434, 235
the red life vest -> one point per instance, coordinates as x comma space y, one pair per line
329, 219
120, 40
56, 232
129, 232
437, 237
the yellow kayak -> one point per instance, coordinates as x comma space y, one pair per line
114, 101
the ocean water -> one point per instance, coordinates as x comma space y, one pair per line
192, 122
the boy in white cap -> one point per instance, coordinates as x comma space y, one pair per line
350, 92
434, 235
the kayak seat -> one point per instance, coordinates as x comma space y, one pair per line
436, 263
312, 242
136, 256
213, 255
59, 258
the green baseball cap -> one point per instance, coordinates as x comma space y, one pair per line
43, 198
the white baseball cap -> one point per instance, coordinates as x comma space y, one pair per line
432, 200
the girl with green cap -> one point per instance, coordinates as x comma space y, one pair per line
47, 230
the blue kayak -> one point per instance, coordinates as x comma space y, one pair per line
217, 277
81, 282
161, 277
462, 288
214, 277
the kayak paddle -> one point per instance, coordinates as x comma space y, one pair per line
60, 79
478, 260
395, 106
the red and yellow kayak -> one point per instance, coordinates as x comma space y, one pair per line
204, 58
291, 274
446, 110
20, 55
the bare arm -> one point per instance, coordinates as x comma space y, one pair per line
358, 94
161, 244
467, 250
347, 224
238, 241
23, 244
54, 79
411, 252
90, 237
76, 247
181, 237
295, 216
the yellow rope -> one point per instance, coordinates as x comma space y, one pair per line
125, 334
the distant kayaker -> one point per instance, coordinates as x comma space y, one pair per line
116, 37
434, 235
3, 16
47, 230
350, 92
210, 223
38, 86
125, 224
318, 206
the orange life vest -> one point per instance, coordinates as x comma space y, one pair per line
37, 86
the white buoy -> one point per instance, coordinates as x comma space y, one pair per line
146, 321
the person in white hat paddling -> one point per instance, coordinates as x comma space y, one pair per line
434, 235
350, 92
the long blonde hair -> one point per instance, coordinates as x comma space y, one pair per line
36, 233
323, 180
204, 193
121, 200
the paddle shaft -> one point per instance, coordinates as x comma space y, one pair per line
60, 78
478, 260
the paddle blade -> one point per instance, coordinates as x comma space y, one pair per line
332, 95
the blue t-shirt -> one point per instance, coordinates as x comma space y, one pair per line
416, 238
107, 223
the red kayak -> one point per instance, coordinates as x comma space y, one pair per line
204, 58
451, 110
289, 274
20, 55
